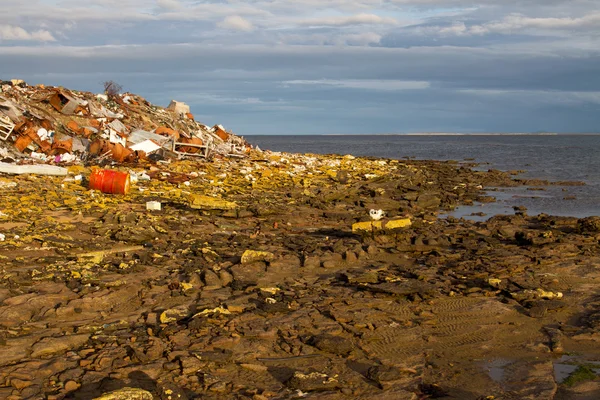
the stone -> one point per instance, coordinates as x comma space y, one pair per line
332, 344
251, 256
211, 280
55, 345
71, 386
247, 274
226, 277
255, 367
20, 384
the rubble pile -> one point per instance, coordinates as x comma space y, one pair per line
56, 125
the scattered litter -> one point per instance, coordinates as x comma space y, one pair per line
153, 205
37, 169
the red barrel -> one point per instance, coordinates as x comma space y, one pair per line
110, 181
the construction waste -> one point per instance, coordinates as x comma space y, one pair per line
53, 125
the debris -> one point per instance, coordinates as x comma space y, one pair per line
6, 127
178, 107
37, 169
110, 181
376, 215
153, 205
369, 226
210, 203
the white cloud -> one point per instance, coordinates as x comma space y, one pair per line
366, 84
10, 32
236, 23
516, 23
358, 19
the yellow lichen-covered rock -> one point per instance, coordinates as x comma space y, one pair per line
210, 203
368, 226
253, 255
127, 394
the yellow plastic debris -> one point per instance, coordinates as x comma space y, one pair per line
369, 226
210, 203
253, 255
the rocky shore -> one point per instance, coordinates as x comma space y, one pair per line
262, 278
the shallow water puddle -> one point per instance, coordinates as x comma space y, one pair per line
496, 369
566, 365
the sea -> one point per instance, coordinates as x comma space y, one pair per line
567, 157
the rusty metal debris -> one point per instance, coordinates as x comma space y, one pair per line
57, 125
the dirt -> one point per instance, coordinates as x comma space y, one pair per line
97, 294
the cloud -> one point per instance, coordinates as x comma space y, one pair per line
169, 4
236, 23
358, 19
516, 24
10, 32
364, 84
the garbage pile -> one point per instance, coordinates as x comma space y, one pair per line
56, 125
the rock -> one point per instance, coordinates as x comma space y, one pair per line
245, 275
254, 367
285, 265
332, 260
589, 224
174, 314
384, 375
20, 384
332, 344
71, 386
251, 256
127, 394
428, 200
54, 345
211, 280
311, 262
226, 277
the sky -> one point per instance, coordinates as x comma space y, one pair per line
324, 66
